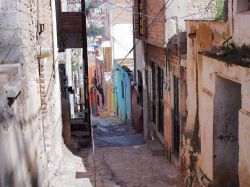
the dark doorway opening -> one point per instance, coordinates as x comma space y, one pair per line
140, 88
161, 101
227, 103
154, 92
176, 120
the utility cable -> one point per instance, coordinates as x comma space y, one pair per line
148, 29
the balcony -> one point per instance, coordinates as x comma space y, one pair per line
69, 27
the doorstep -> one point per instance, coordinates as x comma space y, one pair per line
155, 147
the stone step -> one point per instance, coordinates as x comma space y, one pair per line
156, 147
78, 124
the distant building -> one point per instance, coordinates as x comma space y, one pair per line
119, 33
109, 103
122, 87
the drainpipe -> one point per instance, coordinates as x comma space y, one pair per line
43, 52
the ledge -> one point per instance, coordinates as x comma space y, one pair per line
11, 81
232, 60
246, 13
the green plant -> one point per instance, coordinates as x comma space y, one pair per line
228, 48
74, 64
219, 4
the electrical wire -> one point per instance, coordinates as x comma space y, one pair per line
155, 19
148, 29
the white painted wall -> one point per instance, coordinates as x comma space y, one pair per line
68, 69
122, 36
141, 66
175, 21
209, 69
241, 27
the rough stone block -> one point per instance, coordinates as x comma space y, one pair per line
8, 5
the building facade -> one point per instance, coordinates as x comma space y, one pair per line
218, 109
122, 87
31, 122
183, 85
119, 33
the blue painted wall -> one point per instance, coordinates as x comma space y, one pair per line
122, 85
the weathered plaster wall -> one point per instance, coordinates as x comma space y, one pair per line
241, 24
32, 141
141, 66
202, 36
209, 69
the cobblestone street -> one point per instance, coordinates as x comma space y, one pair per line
123, 159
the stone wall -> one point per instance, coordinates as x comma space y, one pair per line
31, 140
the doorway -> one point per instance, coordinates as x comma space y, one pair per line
161, 101
154, 94
176, 120
227, 103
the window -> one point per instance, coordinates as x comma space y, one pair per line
140, 91
140, 17
154, 93
243, 5
176, 120
161, 100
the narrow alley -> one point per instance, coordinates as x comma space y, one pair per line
124, 93
123, 159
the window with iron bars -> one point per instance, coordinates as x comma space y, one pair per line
140, 17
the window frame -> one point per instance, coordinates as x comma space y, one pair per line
140, 18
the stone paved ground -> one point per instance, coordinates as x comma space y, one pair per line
123, 160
